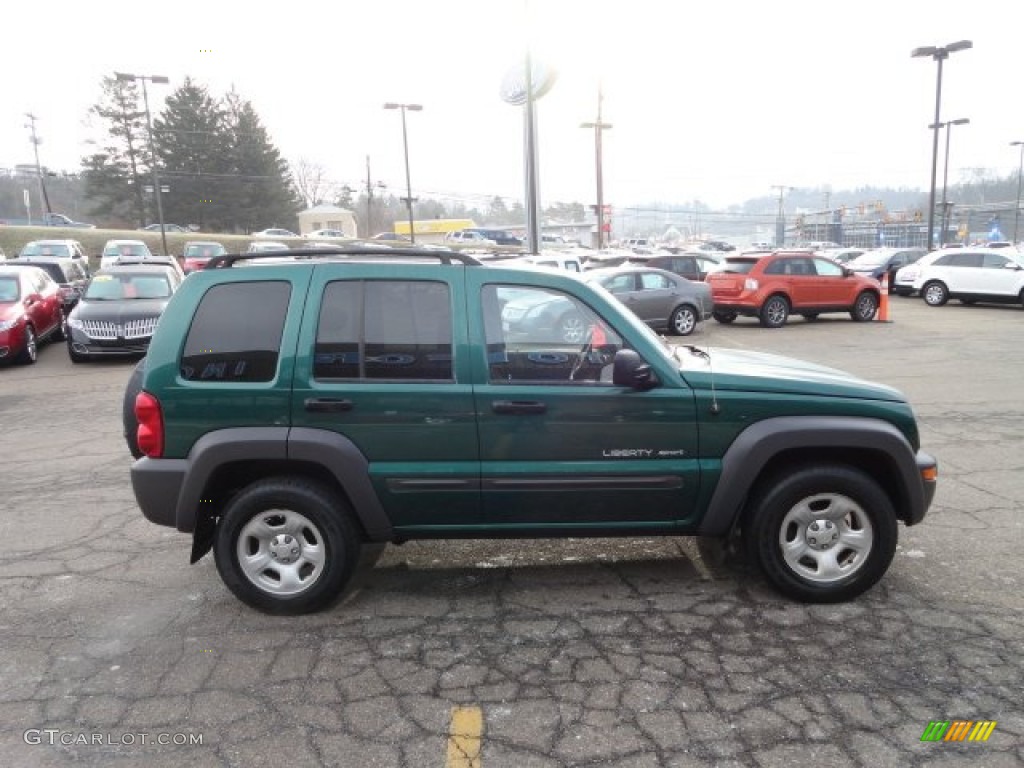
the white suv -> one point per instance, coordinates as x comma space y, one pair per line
972, 274
468, 237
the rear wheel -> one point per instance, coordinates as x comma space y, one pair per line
286, 545
821, 534
774, 312
865, 307
683, 320
935, 294
724, 317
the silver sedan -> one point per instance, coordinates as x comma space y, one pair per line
663, 300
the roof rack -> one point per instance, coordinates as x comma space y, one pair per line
227, 260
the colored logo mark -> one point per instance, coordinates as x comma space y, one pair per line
958, 730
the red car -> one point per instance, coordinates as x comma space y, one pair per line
772, 286
30, 312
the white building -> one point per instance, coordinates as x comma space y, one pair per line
327, 217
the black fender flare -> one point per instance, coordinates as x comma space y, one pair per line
331, 451
750, 453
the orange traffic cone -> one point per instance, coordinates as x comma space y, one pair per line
883, 301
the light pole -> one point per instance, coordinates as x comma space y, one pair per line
1020, 170
940, 54
599, 126
159, 80
948, 125
405, 144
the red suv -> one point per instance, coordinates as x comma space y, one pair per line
772, 286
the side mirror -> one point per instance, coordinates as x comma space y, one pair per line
630, 370
847, 271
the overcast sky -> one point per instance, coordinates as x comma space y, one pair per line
716, 101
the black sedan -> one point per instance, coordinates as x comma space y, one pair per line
119, 311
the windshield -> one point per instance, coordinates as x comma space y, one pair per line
46, 249
204, 251
9, 290
135, 250
105, 287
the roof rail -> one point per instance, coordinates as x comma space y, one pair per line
227, 260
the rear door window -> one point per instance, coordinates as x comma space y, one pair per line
229, 341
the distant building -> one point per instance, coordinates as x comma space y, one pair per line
327, 217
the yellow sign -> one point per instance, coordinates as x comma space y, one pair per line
433, 226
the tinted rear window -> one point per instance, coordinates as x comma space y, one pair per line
739, 266
228, 341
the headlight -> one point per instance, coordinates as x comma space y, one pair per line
74, 322
9, 324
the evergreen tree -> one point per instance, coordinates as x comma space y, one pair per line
193, 140
266, 196
115, 173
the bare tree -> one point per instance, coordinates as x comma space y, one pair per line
311, 181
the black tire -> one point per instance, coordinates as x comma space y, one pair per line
847, 506
935, 293
62, 329
31, 351
774, 311
128, 420
297, 514
865, 307
724, 317
683, 321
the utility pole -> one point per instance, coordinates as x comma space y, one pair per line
39, 168
780, 219
369, 200
599, 125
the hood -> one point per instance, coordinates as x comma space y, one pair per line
9, 310
736, 369
118, 311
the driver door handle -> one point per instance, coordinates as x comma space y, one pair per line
327, 405
518, 406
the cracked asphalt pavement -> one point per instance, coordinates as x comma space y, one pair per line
636, 652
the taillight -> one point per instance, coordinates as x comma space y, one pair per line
150, 432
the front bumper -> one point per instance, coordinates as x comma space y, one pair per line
928, 470
84, 345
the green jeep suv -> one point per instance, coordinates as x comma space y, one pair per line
292, 409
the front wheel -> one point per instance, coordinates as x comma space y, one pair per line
286, 546
821, 534
683, 321
31, 351
865, 307
935, 294
774, 312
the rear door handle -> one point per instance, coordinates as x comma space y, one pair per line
518, 406
327, 405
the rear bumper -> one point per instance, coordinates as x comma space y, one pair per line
157, 483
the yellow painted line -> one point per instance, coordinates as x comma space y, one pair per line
465, 738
